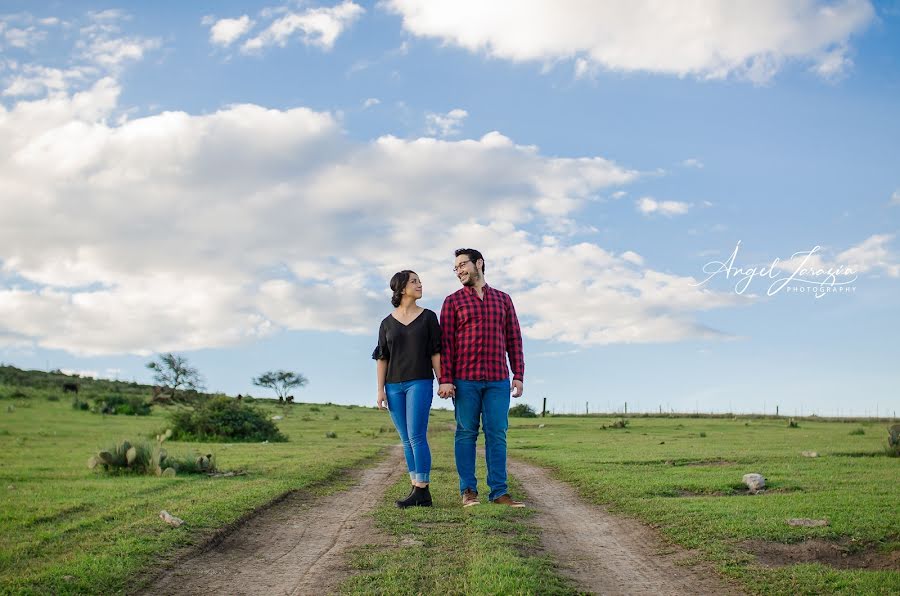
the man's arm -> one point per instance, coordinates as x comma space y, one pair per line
514, 349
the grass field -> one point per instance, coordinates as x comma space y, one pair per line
67, 529
683, 475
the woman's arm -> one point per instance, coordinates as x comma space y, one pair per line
436, 364
381, 374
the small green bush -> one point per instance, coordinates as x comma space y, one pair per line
315, 409
78, 404
703, 434
857, 431
793, 424
223, 419
522, 411
331, 434
126, 405
144, 458
52, 397
893, 447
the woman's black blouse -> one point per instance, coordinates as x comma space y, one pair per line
408, 348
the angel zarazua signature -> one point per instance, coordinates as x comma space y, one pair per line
804, 272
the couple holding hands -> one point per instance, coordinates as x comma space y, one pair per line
467, 351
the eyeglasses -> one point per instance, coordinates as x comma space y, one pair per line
459, 266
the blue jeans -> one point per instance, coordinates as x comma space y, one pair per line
410, 404
489, 401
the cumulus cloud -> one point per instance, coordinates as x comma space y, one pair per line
649, 206
445, 125
225, 32
692, 163
895, 197
319, 27
709, 39
370, 102
109, 228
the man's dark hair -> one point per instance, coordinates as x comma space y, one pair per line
473, 255
398, 283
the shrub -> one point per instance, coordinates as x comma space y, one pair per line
78, 404
223, 419
522, 411
793, 424
127, 405
893, 447
857, 431
331, 434
52, 397
124, 457
143, 458
315, 409
703, 434
620, 423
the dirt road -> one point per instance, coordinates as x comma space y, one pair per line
606, 554
296, 546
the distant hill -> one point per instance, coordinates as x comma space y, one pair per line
39, 379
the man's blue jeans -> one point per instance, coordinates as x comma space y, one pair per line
410, 404
489, 402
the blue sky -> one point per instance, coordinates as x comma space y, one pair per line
237, 182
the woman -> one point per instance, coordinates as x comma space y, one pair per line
408, 359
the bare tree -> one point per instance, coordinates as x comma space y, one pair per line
174, 373
281, 381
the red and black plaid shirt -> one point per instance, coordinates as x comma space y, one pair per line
477, 335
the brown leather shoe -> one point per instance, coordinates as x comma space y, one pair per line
508, 501
469, 498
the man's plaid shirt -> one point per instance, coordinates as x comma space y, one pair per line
477, 335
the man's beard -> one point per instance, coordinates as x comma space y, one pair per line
471, 280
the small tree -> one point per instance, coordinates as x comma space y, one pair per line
174, 373
280, 381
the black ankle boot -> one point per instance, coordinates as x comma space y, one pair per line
419, 497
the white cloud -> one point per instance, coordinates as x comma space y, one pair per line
649, 205
112, 227
895, 197
113, 52
445, 125
870, 255
370, 102
97, 49
692, 163
318, 27
24, 38
225, 32
710, 39
37, 80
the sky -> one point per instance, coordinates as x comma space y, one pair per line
694, 206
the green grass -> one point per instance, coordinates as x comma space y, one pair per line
445, 549
67, 529
646, 470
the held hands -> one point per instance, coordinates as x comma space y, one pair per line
446, 390
517, 388
382, 399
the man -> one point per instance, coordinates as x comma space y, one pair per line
479, 330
